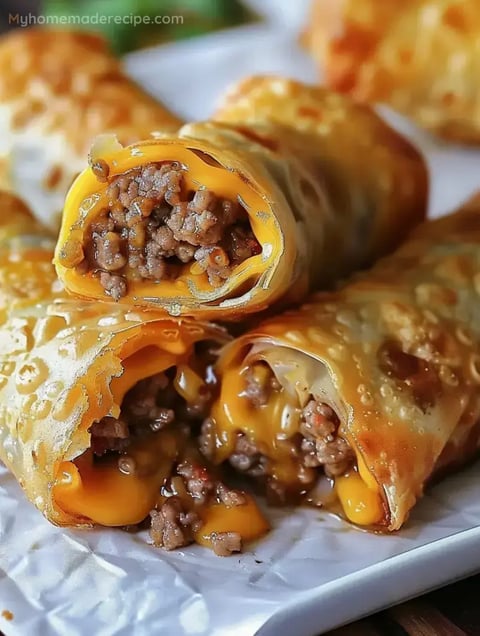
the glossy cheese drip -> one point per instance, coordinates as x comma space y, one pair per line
361, 504
99, 491
246, 519
88, 196
269, 427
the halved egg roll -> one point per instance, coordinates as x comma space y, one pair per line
291, 188
357, 399
100, 406
419, 56
58, 91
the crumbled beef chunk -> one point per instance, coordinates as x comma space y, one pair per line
230, 498
141, 404
108, 434
259, 384
240, 244
207, 438
321, 445
172, 527
225, 543
148, 407
109, 252
113, 284
247, 458
100, 169
215, 262
153, 225
197, 481
316, 445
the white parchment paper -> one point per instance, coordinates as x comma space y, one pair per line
312, 572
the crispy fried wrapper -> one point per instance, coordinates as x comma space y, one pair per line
99, 405
26, 273
419, 56
286, 190
359, 398
58, 91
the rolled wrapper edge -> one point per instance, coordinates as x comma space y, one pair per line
269, 274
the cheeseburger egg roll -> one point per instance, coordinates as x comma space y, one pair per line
287, 189
418, 56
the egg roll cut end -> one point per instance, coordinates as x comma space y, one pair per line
272, 426
174, 224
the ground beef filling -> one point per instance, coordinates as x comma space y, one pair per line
153, 225
150, 406
175, 521
316, 446
321, 445
147, 408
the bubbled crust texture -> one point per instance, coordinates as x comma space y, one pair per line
426, 299
373, 203
56, 365
420, 56
69, 82
26, 249
58, 91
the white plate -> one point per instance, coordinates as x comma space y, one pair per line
312, 572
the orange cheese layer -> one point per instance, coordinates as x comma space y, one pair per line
99, 491
87, 198
246, 519
269, 427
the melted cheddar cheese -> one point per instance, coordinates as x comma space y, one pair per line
361, 504
101, 493
246, 519
270, 427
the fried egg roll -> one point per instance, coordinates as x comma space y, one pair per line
289, 188
360, 397
418, 56
58, 91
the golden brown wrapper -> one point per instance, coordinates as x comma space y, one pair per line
327, 186
419, 56
395, 353
59, 90
26, 273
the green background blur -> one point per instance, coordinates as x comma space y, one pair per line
198, 17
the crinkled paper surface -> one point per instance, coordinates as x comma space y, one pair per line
312, 572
